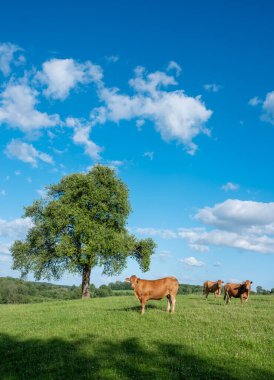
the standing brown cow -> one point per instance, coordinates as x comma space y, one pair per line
213, 287
146, 290
237, 291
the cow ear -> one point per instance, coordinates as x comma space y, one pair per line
127, 279
251, 282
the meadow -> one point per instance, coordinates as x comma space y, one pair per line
107, 338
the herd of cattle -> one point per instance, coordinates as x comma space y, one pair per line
145, 290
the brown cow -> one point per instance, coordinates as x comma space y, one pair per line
237, 291
146, 290
213, 287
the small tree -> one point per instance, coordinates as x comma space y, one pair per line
81, 223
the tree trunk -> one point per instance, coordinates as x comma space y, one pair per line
86, 281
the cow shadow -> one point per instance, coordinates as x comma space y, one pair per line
92, 358
137, 308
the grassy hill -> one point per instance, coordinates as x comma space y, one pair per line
107, 338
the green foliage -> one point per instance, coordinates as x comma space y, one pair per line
13, 291
190, 289
202, 340
261, 290
80, 224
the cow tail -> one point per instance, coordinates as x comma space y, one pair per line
225, 295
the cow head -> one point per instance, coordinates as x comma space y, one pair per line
247, 285
219, 284
133, 281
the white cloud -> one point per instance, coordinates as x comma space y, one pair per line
7, 52
192, 261
244, 225
60, 76
26, 153
174, 66
268, 108
15, 229
4, 258
42, 192
112, 58
163, 233
254, 101
150, 155
139, 124
162, 256
239, 240
176, 116
17, 109
81, 132
212, 87
115, 164
230, 186
4, 248
199, 247
234, 214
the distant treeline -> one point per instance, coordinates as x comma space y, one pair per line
13, 291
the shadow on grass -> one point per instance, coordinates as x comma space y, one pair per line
137, 308
91, 358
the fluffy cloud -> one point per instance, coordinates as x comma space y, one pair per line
7, 52
230, 186
176, 116
268, 108
15, 229
212, 87
244, 225
17, 109
26, 153
174, 66
234, 214
163, 233
4, 249
192, 262
60, 76
81, 132
150, 155
240, 240
112, 58
254, 101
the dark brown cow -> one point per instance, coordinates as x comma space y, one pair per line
213, 287
237, 291
146, 290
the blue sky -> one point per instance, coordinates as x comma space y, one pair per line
178, 96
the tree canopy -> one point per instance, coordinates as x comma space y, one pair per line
80, 224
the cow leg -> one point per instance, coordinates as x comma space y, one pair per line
241, 299
173, 301
207, 294
168, 303
143, 303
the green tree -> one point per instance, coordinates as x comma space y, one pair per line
259, 289
80, 224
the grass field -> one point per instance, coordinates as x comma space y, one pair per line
107, 338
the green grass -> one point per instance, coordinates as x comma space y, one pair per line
107, 338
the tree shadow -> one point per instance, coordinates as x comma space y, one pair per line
92, 358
